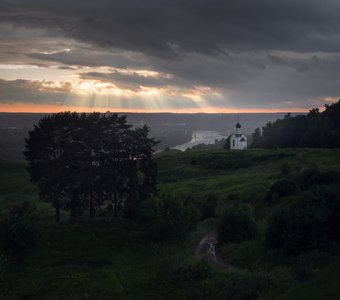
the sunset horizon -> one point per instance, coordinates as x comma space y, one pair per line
17, 108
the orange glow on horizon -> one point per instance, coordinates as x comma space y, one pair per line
50, 108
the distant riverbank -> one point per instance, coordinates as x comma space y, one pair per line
201, 137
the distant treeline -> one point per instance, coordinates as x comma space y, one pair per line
314, 130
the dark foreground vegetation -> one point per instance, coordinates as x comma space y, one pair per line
276, 213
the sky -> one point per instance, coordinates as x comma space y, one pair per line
180, 56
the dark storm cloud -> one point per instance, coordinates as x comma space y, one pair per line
252, 52
88, 56
166, 27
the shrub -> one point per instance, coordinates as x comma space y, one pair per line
281, 188
190, 272
312, 177
201, 280
312, 222
168, 216
19, 231
286, 169
233, 196
236, 225
209, 206
232, 285
3, 266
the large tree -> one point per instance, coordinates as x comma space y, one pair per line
79, 161
48, 153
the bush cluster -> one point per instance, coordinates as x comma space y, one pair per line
281, 188
200, 280
236, 225
209, 206
168, 216
19, 231
313, 177
311, 222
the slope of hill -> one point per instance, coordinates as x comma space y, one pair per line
110, 258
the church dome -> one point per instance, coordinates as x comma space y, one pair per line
238, 125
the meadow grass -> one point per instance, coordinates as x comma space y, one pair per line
111, 258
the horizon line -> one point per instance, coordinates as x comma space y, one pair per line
52, 108
156, 112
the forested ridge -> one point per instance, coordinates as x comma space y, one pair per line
314, 130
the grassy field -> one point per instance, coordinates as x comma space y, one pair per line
111, 259
245, 174
15, 186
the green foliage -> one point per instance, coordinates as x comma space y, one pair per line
233, 285
168, 216
209, 206
315, 130
312, 177
234, 161
286, 169
312, 222
3, 266
109, 258
183, 273
236, 225
201, 280
256, 138
19, 231
281, 188
242, 255
80, 160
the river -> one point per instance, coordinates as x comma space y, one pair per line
201, 137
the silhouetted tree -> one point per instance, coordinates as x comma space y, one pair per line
79, 161
48, 150
256, 138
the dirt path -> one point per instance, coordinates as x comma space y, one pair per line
206, 248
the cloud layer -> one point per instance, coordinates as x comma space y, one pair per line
237, 53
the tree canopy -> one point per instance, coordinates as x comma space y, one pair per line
81, 161
314, 130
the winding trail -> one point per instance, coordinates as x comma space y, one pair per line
207, 248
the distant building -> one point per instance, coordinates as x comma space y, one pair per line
237, 141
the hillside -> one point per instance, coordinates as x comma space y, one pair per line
112, 258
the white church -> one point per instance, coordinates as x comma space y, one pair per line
237, 141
